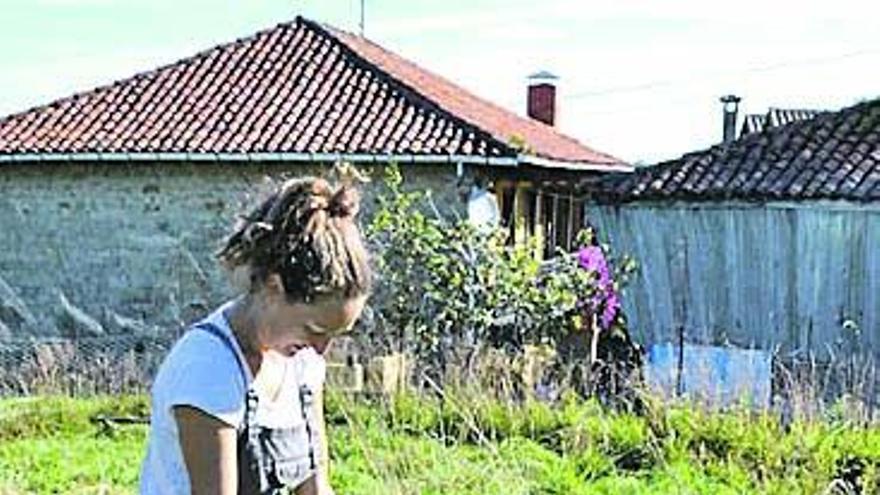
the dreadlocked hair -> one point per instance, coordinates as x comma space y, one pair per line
306, 232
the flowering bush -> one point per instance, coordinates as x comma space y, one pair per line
605, 302
446, 290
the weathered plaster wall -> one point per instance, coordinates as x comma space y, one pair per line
130, 244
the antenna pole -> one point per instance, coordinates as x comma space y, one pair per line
363, 8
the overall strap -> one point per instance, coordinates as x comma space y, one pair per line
227, 341
250, 409
306, 400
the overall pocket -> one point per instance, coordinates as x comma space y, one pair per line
287, 452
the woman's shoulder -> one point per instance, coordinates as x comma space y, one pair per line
200, 371
198, 344
207, 342
195, 351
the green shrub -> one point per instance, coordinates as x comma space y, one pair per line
446, 289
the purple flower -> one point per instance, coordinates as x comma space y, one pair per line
612, 305
591, 258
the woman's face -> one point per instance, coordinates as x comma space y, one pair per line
287, 328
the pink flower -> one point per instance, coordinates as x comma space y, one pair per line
592, 258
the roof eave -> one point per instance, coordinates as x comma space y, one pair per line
363, 158
539, 161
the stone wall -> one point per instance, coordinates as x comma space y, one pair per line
89, 249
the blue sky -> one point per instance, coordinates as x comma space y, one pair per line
638, 79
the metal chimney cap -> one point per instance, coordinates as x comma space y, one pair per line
731, 102
544, 76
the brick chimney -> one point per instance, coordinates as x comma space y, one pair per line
731, 107
541, 103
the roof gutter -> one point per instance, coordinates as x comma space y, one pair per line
259, 157
575, 166
502, 161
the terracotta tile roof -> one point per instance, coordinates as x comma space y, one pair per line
834, 155
774, 117
298, 88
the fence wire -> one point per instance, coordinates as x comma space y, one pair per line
83, 365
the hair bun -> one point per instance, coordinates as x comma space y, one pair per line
318, 198
317, 202
344, 203
292, 233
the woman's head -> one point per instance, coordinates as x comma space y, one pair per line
302, 256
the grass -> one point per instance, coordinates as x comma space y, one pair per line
48, 445
471, 445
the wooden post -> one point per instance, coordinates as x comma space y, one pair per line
679, 375
580, 217
569, 242
500, 185
345, 378
594, 339
554, 228
520, 213
387, 374
539, 225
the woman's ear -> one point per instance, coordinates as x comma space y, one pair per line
273, 286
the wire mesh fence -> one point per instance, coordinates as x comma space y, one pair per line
798, 385
83, 365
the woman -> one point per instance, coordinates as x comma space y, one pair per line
237, 403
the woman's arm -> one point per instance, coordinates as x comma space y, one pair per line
209, 452
324, 463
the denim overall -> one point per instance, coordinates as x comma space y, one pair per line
271, 461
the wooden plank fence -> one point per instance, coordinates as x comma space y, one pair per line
796, 276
